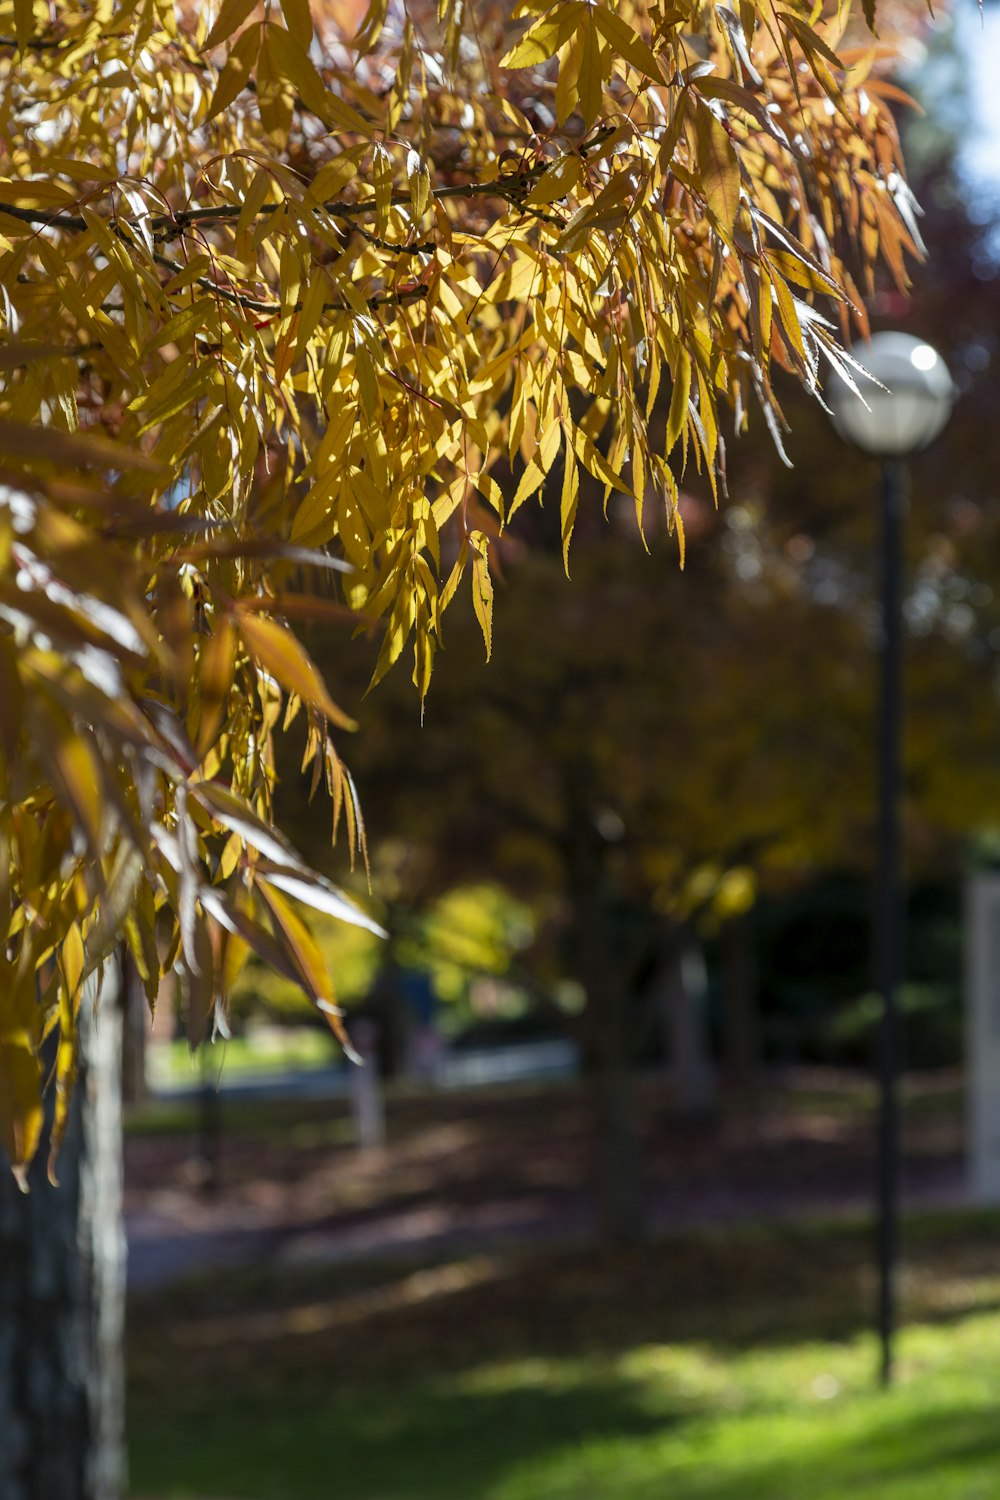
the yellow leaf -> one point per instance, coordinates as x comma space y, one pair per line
218, 662
419, 180
679, 397
333, 177
75, 775
24, 22
73, 964
256, 196
276, 90
73, 959
302, 947
230, 18
298, 19
291, 58
371, 26
569, 503
625, 43
718, 168
382, 178
804, 272
545, 36
591, 83
548, 446
786, 312
235, 952
531, 480
278, 652
610, 208
491, 491
557, 181
482, 588
236, 74
21, 1114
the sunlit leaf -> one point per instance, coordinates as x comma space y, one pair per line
718, 168
295, 327
276, 650
232, 14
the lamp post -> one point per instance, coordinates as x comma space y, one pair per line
900, 415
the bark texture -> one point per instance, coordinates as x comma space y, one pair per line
62, 1284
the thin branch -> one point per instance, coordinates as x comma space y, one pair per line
42, 217
171, 226
16, 355
167, 226
510, 187
427, 248
35, 44
241, 300
306, 607
273, 309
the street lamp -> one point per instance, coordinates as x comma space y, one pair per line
906, 410
898, 416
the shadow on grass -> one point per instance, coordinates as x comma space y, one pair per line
511, 1379
739, 1289
426, 1441
513, 1375
594, 1439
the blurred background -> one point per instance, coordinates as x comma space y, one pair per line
595, 1218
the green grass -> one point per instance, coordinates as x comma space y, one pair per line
266, 1050
707, 1367
685, 1421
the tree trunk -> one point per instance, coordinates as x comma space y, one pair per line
388, 1007
600, 964
685, 1002
741, 1020
62, 1284
619, 1178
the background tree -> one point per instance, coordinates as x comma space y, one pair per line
282, 305
679, 742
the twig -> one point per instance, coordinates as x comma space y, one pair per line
35, 44
255, 304
171, 225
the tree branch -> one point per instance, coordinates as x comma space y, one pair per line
256, 304
36, 44
510, 187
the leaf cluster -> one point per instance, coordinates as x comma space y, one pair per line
336, 307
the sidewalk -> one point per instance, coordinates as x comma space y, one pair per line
496, 1168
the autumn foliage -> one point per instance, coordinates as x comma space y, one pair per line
299, 308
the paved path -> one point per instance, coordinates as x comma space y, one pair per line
492, 1169
165, 1249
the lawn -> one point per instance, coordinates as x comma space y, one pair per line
264, 1050
707, 1366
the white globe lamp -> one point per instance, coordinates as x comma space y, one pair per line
906, 409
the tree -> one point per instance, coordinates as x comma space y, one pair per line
283, 306
680, 742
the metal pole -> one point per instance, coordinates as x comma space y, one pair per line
888, 904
